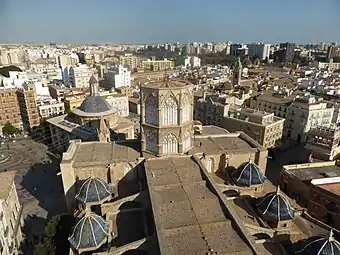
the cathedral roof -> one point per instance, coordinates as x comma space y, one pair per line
249, 174
93, 190
320, 245
90, 232
94, 104
274, 206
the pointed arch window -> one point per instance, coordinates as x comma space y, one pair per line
151, 143
170, 144
187, 141
186, 110
170, 111
151, 110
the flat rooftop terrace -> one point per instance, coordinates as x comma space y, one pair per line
211, 144
93, 153
191, 218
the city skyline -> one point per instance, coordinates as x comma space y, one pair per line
128, 22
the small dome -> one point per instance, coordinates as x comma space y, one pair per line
93, 80
249, 174
90, 232
247, 62
93, 190
274, 206
320, 245
94, 104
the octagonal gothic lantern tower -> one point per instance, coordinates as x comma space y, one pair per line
166, 117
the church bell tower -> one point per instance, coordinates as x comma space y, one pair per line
166, 117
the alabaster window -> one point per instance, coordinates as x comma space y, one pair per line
209, 164
170, 110
186, 141
151, 110
151, 143
186, 110
170, 144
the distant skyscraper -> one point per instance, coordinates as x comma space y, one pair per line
259, 50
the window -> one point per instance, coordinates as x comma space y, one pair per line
170, 112
186, 141
151, 110
170, 144
151, 143
186, 110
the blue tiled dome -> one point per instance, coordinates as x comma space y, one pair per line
320, 245
93, 190
94, 104
90, 232
249, 174
274, 206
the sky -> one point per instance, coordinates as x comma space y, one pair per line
161, 21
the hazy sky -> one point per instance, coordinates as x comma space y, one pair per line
160, 21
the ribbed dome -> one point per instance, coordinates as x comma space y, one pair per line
93, 190
249, 174
94, 104
274, 206
320, 245
90, 232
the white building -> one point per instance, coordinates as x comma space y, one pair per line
192, 61
331, 66
260, 50
117, 77
306, 112
50, 108
77, 76
117, 101
10, 215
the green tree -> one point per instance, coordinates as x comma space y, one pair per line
5, 70
49, 244
9, 129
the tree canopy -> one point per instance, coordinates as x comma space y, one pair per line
9, 129
55, 236
4, 71
218, 59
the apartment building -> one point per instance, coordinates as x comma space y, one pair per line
132, 62
301, 111
331, 66
263, 127
158, 65
10, 215
259, 50
276, 102
77, 76
117, 101
57, 92
323, 142
117, 77
67, 60
9, 109
28, 106
127, 91
306, 112
50, 108
73, 99
211, 108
